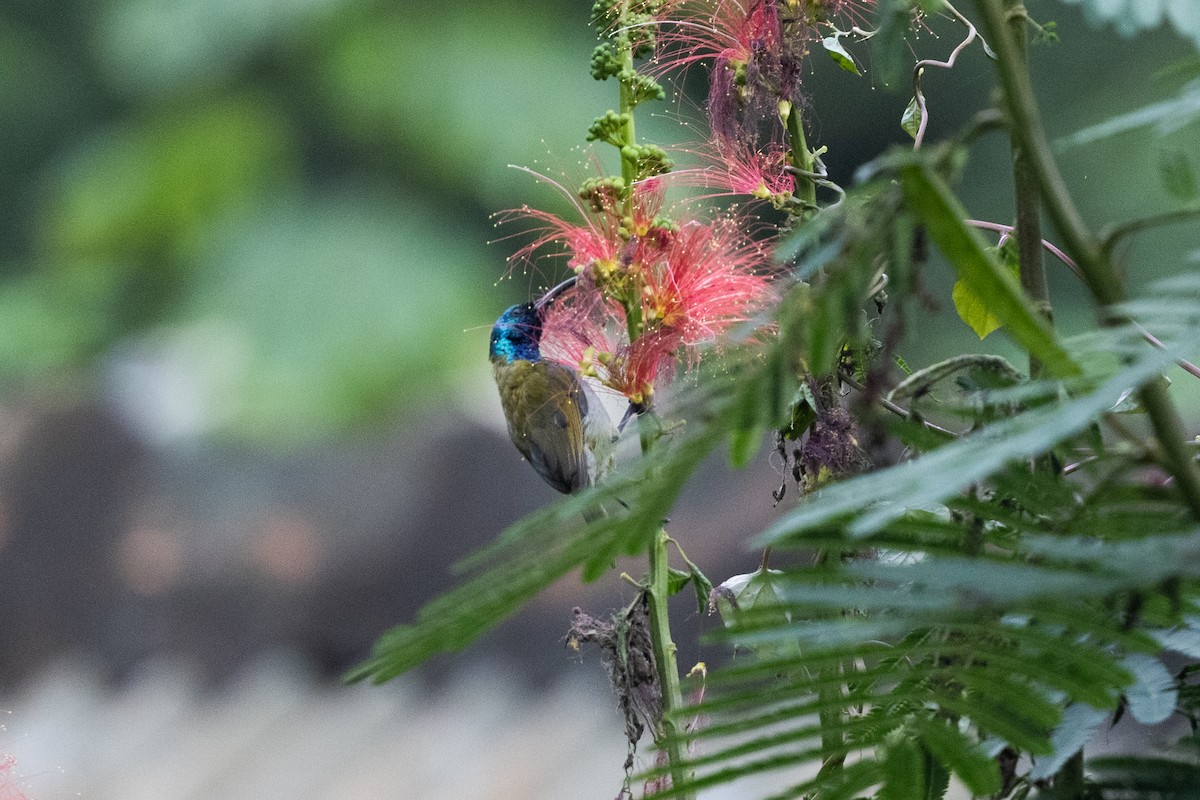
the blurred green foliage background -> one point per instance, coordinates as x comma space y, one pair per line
270, 219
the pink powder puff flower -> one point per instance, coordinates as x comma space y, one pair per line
580, 322
738, 167
689, 291
584, 331
594, 237
756, 61
8, 788
757, 49
605, 238
729, 31
684, 283
704, 284
635, 369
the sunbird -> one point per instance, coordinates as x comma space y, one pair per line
554, 419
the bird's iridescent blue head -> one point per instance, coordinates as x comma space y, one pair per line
516, 335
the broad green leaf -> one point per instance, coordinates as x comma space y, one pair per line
1176, 172
744, 443
903, 772
1079, 723
890, 56
833, 46
937, 776
931, 200
973, 309
1131, 17
1153, 694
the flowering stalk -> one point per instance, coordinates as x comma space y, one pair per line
657, 589
804, 159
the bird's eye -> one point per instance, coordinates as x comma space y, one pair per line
560, 419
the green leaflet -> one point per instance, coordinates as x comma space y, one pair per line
1165, 116
903, 771
837, 51
938, 475
1176, 173
972, 308
963, 757
910, 120
534, 553
931, 200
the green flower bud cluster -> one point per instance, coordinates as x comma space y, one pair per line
642, 87
603, 194
604, 12
665, 224
606, 63
650, 159
640, 29
609, 128
628, 31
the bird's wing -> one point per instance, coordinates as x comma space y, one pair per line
556, 446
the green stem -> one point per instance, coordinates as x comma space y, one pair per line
804, 159
1027, 129
1081, 242
665, 658
657, 588
658, 594
1118, 232
628, 165
1029, 224
629, 169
